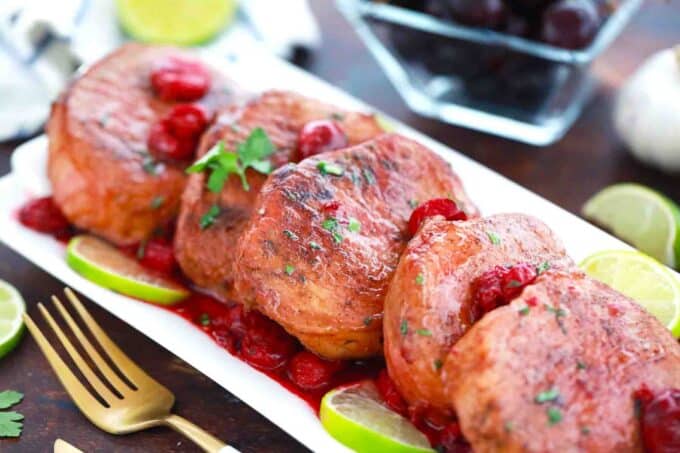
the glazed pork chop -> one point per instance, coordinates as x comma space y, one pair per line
103, 178
327, 235
429, 305
206, 255
556, 370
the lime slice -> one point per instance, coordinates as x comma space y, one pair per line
107, 266
180, 22
12, 307
356, 417
642, 279
638, 215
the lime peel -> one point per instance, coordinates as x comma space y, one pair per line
641, 278
106, 266
12, 308
356, 416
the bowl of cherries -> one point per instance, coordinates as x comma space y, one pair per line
514, 68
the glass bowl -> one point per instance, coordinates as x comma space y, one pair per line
482, 79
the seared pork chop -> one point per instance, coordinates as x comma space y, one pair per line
320, 251
556, 370
206, 255
102, 176
429, 303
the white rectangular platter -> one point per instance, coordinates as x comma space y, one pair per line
257, 71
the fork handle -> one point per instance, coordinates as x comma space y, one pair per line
202, 438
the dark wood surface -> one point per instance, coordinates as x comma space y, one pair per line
567, 173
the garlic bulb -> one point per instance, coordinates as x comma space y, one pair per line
647, 113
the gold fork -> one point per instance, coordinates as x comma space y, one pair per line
120, 407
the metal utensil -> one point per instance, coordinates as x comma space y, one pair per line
122, 402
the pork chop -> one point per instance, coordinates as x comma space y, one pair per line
557, 368
429, 303
102, 176
327, 235
206, 255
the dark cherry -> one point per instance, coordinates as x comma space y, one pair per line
157, 254
479, 13
389, 393
499, 286
436, 207
265, 344
451, 440
660, 419
310, 372
42, 214
179, 79
164, 145
571, 24
532, 8
320, 136
517, 25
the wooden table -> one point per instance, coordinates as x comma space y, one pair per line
567, 173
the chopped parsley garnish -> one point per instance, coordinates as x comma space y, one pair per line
354, 225
524, 310
141, 249
149, 164
509, 427
369, 176
438, 364
548, 395
580, 365
157, 202
209, 217
403, 328
331, 224
493, 237
559, 314
544, 266
337, 116
328, 168
314, 246
290, 235
424, 332
253, 153
204, 319
104, 119
420, 279
368, 320
413, 203
514, 284
289, 269
585, 430
10, 422
554, 415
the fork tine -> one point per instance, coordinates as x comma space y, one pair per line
78, 393
104, 367
129, 368
84, 368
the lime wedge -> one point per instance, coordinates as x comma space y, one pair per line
180, 22
642, 279
12, 307
356, 417
107, 266
640, 216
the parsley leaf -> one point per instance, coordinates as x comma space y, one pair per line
424, 332
204, 319
438, 364
209, 217
327, 168
554, 415
354, 225
289, 269
544, 266
548, 395
9, 398
253, 153
420, 279
524, 310
10, 424
403, 328
157, 202
493, 237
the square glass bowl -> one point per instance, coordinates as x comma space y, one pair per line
481, 79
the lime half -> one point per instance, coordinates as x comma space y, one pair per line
12, 307
180, 22
642, 279
356, 417
107, 266
640, 216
